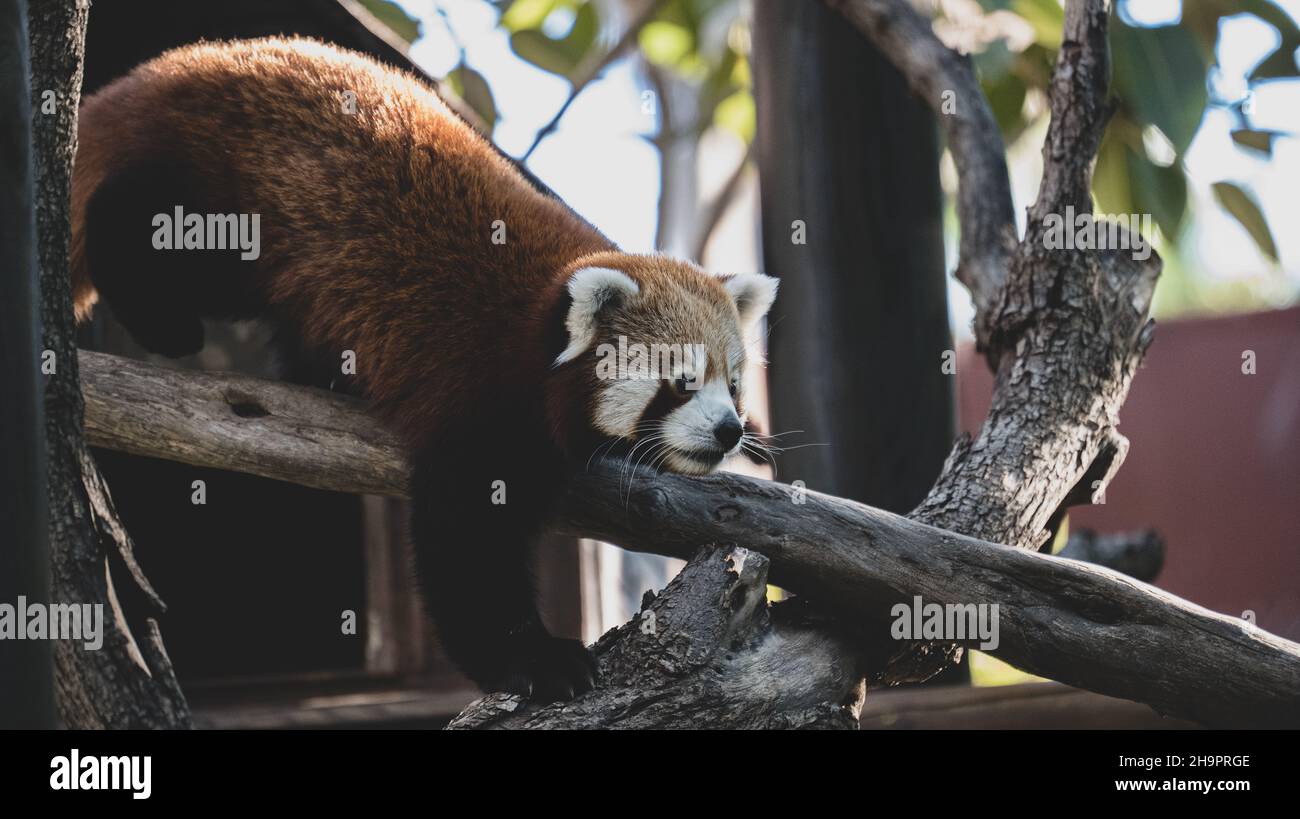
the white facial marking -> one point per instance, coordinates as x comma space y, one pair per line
690, 427
621, 404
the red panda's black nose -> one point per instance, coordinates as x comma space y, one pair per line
728, 433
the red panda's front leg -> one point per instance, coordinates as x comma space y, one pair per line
477, 507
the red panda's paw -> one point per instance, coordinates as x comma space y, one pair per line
549, 669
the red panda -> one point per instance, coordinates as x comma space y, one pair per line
479, 307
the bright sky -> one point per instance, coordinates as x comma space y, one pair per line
596, 160
601, 165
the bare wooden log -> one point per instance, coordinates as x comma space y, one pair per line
1061, 619
247, 425
1024, 706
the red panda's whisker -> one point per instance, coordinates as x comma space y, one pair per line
659, 444
649, 441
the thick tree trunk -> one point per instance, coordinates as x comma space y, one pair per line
128, 682
853, 226
26, 666
860, 330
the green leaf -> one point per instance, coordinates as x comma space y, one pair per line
559, 56
1261, 141
578, 42
1244, 209
1110, 177
473, 87
666, 44
1006, 97
1201, 17
1282, 62
736, 114
535, 47
1046, 17
1160, 76
1126, 180
526, 14
392, 16
1159, 191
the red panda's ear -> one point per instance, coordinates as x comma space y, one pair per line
753, 294
593, 290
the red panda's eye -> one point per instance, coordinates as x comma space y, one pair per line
733, 388
681, 385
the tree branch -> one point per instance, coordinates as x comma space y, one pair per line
1069, 621
1064, 329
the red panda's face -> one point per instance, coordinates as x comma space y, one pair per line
666, 343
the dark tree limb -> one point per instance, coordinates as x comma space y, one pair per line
1069, 621
124, 684
719, 662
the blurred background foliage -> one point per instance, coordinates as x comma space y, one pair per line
1162, 82
1165, 79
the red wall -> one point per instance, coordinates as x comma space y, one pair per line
1214, 462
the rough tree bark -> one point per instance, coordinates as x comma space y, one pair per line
128, 682
1064, 330
26, 666
709, 652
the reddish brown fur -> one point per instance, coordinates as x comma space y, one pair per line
392, 207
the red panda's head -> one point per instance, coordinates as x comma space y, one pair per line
657, 348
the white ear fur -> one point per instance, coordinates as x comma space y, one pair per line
593, 289
753, 294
